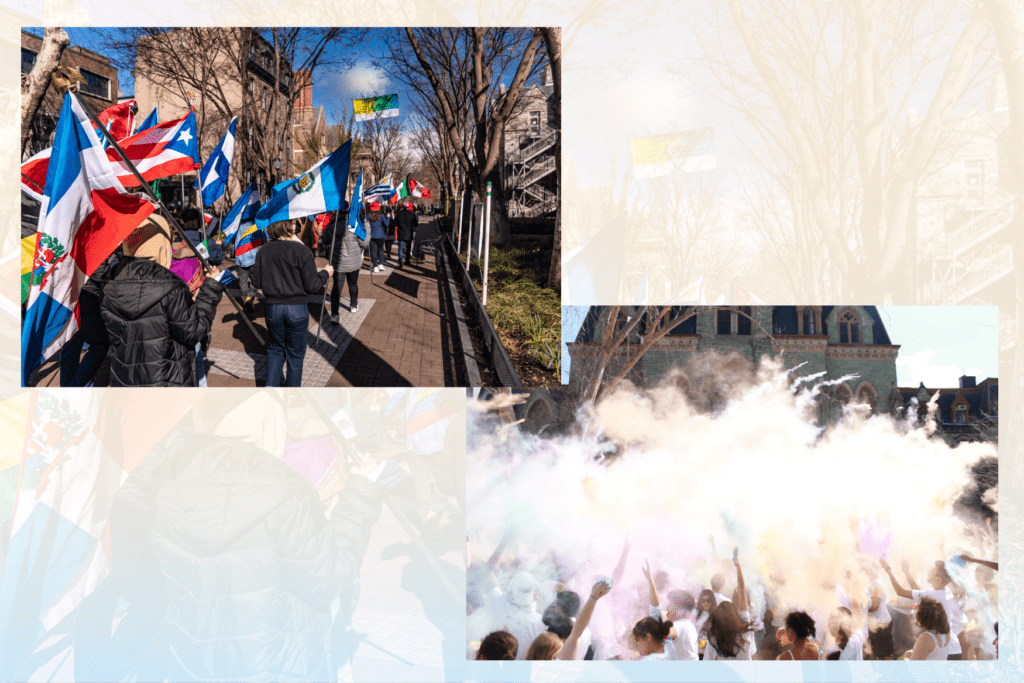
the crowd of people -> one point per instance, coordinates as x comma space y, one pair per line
151, 304
875, 615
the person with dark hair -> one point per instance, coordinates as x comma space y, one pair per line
286, 272
705, 604
499, 646
347, 260
939, 579
653, 634
849, 638
556, 621
377, 225
77, 370
934, 642
799, 633
544, 647
151, 320
570, 648
680, 612
406, 222
730, 631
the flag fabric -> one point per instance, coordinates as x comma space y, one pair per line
417, 190
165, 149
685, 151
354, 224
151, 120
695, 294
379, 192
321, 188
28, 253
400, 192
33, 174
242, 214
249, 239
85, 214
214, 176
371, 108
119, 119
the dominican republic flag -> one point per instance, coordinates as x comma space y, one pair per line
354, 224
379, 192
242, 214
85, 214
321, 188
118, 120
214, 176
165, 149
151, 120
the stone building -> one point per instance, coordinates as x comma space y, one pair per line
528, 153
968, 412
100, 88
836, 340
248, 94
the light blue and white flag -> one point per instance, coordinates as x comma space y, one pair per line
242, 214
214, 176
321, 188
151, 120
354, 224
379, 192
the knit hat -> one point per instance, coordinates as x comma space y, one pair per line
375, 207
151, 240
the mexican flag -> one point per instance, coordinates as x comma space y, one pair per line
406, 188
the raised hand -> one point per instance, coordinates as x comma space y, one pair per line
600, 589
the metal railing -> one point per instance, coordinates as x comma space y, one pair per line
523, 155
982, 226
982, 272
538, 171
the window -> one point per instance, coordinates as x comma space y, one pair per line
960, 417
95, 84
535, 124
849, 328
807, 324
743, 320
974, 179
724, 322
28, 60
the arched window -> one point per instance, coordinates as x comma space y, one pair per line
867, 395
843, 394
849, 327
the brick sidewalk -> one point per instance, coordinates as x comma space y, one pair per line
401, 335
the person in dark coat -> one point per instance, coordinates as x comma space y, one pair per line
238, 547
77, 370
286, 272
347, 260
152, 322
407, 222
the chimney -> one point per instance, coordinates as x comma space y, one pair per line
545, 76
967, 382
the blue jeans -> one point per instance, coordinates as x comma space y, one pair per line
288, 325
377, 252
405, 247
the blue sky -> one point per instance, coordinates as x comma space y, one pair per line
937, 343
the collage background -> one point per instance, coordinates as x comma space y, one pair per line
597, 36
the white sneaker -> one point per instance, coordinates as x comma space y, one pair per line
353, 309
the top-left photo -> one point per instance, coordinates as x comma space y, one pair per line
252, 206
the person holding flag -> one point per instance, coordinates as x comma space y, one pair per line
347, 244
238, 224
85, 214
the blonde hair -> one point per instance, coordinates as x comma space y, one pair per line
544, 647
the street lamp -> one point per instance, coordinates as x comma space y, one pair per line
277, 167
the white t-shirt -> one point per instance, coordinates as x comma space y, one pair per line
746, 645
854, 649
880, 618
954, 614
686, 641
524, 625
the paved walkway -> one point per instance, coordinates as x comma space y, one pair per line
401, 335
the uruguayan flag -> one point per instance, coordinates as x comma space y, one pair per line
242, 214
321, 188
380, 191
214, 176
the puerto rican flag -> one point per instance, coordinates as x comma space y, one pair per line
85, 214
165, 149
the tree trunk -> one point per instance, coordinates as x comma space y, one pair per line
33, 86
553, 41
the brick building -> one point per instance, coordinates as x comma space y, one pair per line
100, 88
968, 412
836, 340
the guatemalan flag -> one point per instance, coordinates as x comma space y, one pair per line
165, 149
85, 214
214, 176
320, 189
242, 214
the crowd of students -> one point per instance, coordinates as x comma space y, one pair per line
152, 306
511, 615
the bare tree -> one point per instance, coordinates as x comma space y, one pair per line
553, 43
385, 141
35, 84
490, 53
828, 91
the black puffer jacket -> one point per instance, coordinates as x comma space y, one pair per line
249, 562
407, 222
154, 325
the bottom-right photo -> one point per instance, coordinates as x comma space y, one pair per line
742, 483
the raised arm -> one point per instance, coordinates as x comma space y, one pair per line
905, 566
652, 589
568, 651
988, 563
900, 590
620, 568
741, 588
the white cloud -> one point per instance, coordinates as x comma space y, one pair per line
920, 367
364, 80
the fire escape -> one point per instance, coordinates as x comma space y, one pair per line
527, 167
977, 252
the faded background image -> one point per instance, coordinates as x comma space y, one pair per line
857, 152
130, 529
